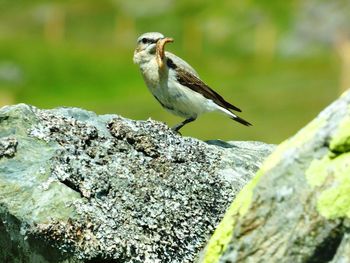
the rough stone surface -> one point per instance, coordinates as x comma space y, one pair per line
77, 187
297, 207
8, 147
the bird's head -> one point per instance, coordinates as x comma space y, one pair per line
147, 45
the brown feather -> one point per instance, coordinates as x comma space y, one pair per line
194, 83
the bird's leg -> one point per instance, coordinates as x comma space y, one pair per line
177, 127
160, 50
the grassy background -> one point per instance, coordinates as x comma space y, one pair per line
79, 53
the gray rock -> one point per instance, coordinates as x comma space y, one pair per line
76, 187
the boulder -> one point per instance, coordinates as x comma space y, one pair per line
297, 207
78, 187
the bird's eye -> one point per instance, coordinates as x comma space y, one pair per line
144, 40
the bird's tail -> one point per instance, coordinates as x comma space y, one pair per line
240, 120
235, 117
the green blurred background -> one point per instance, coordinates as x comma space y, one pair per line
280, 61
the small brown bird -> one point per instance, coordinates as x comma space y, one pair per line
175, 84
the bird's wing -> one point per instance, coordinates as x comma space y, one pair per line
189, 80
181, 63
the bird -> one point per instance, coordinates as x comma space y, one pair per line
175, 84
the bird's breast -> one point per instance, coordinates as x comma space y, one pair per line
150, 74
173, 96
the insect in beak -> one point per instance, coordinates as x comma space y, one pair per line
160, 50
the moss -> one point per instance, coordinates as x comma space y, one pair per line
223, 234
332, 175
340, 141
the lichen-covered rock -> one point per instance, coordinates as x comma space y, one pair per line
297, 207
77, 187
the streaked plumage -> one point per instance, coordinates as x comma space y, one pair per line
175, 84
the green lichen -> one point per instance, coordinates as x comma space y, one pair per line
304, 135
317, 172
223, 234
333, 177
340, 141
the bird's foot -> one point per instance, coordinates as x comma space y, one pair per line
178, 126
175, 129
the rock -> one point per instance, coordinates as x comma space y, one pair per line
77, 187
8, 147
297, 207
